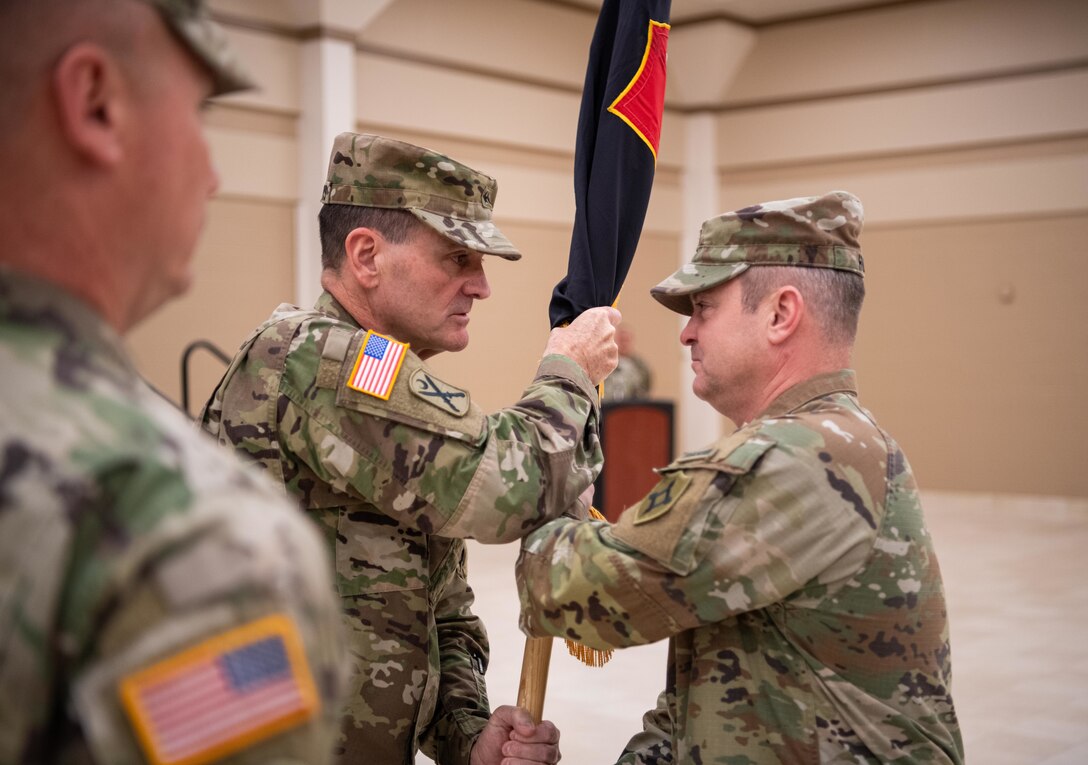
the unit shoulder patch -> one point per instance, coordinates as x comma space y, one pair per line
674, 506
222, 695
440, 394
661, 499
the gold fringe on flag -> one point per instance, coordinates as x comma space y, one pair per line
591, 657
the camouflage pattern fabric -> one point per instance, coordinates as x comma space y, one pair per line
818, 232
126, 538
397, 485
450, 197
206, 40
790, 568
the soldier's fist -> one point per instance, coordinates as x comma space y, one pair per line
590, 340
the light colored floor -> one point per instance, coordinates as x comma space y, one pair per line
1016, 573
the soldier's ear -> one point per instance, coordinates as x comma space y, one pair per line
362, 249
786, 308
89, 95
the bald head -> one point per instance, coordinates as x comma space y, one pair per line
89, 198
35, 33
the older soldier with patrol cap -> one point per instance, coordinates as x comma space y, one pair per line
788, 563
398, 465
159, 601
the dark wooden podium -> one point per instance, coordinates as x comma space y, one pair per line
636, 436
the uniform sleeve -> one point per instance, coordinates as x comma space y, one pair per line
653, 745
491, 478
706, 544
463, 709
201, 632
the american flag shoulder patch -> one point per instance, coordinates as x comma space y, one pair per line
223, 695
377, 366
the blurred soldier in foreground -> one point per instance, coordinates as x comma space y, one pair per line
158, 601
399, 466
788, 563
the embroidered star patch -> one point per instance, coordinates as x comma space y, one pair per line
662, 499
222, 695
377, 366
437, 393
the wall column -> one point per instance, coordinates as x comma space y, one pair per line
328, 108
699, 425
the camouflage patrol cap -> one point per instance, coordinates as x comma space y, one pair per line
818, 232
453, 199
206, 41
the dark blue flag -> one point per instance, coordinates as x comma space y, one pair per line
619, 129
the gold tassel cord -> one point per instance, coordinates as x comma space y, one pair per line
591, 657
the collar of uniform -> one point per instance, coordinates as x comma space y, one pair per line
842, 381
35, 303
331, 307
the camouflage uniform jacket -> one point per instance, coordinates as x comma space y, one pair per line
397, 485
128, 540
791, 569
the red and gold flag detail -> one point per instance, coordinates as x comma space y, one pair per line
642, 102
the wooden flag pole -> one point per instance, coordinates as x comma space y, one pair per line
628, 154
538, 656
534, 676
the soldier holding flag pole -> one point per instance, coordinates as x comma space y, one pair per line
399, 466
619, 131
788, 564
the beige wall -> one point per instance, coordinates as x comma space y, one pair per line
973, 351
962, 125
243, 270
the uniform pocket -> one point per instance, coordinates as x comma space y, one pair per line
373, 554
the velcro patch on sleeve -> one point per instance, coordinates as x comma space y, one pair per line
418, 399
655, 525
333, 352
222, 695
669, 521
377, 365
742, 458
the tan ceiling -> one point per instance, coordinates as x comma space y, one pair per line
754, 12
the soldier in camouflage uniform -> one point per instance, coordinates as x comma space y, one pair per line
136, 559
788, 563
396, 464
631, 378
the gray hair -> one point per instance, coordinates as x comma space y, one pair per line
832, 296
336, 221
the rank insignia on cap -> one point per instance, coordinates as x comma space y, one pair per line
222, 695
437, 393
377, 366
662, 499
